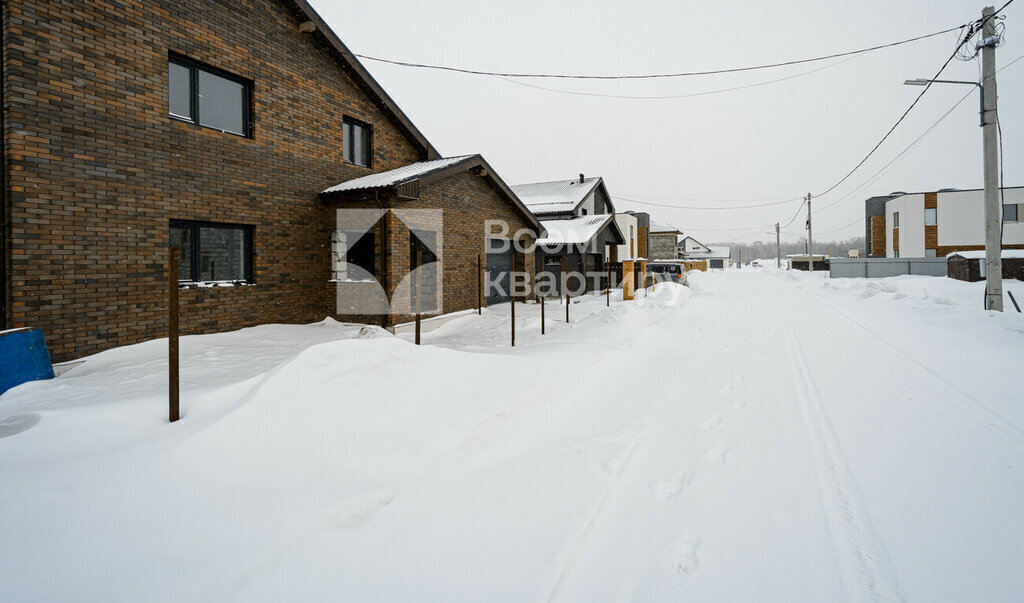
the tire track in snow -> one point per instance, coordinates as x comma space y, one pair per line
984, 414
574, 546
865, 568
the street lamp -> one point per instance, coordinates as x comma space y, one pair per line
993, 204
925, 82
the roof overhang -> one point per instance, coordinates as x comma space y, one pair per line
351, 65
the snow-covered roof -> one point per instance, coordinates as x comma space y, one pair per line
576, 231
717, 251
663, 228
397, 175
980, 255
555, 197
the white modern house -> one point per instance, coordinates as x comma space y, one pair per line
717, 256
921, 225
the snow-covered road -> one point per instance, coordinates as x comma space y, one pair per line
762, 436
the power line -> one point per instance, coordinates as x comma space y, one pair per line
658, 75
910, 147
962, 42
677, 96
874, 177
698, 208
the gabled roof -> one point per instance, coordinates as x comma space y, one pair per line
682, 243
577, 231
362, 78
425, 172
558, 196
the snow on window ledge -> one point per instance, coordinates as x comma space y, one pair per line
211, 284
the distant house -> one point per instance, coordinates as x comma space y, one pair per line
663, 241
928, 225
714, 256
565, 199
691, 245
578, 216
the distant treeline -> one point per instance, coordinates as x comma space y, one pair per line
766, 249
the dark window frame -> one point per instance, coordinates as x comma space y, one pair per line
196, 249
368, 128
194, 68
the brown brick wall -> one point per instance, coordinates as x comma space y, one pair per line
97, 168
896, 239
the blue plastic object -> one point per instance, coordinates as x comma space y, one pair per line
23, 357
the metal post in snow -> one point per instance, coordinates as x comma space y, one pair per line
479, 286
565, 285
542, 314
172, 334
512, 296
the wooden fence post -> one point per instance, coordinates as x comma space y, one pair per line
172, 334
607, 284
417, 288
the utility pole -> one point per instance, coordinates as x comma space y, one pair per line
993, 208
810, 240
778, 247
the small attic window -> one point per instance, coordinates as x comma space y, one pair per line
356, 140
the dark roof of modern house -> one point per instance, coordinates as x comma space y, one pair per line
351, 65
559, 196
425, 172
941, 190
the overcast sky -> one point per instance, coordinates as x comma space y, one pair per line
766, 142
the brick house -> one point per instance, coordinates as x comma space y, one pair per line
579, 218
210, 124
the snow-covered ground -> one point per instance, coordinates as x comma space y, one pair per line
760, 436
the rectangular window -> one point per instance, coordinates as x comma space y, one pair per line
208, 96
896, 219
1010, 213
356, 141
213, 252
930, 253
930, 217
